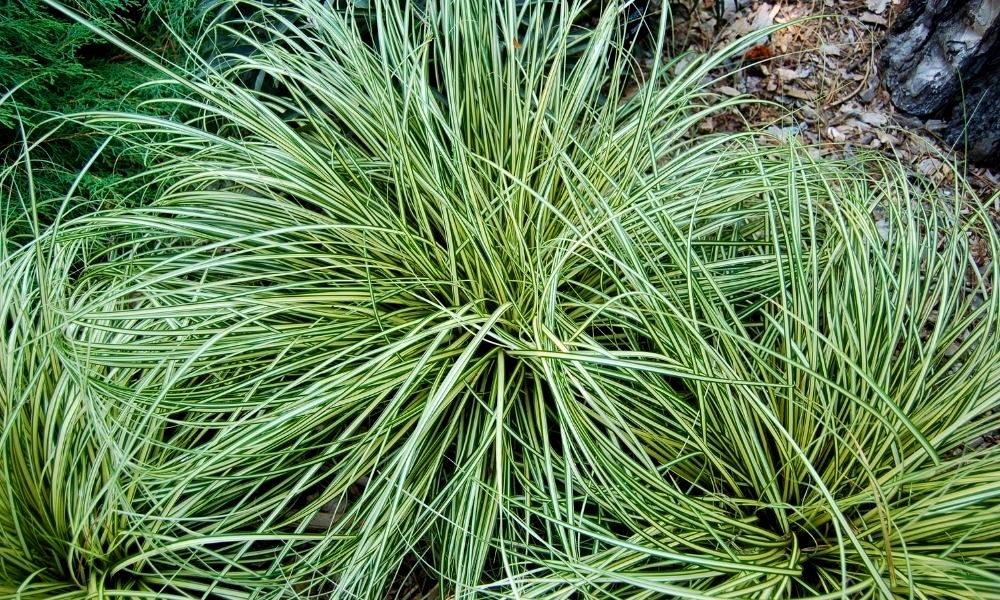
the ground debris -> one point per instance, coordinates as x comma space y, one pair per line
826, 74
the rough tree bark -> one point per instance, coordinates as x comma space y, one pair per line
942, 60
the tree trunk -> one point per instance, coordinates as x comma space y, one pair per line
942, 61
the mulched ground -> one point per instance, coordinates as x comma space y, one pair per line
825, 71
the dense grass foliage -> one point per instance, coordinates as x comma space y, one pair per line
553, 342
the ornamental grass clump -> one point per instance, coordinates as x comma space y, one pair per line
451, 302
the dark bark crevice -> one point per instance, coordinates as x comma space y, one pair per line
942, 60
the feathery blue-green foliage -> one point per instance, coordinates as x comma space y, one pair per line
51, 63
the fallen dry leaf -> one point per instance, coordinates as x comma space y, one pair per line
800, 94
830, 49
929, 166
764, 16
760, 52
787, 74
877, 6
874, 118
873, 19
834, 135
